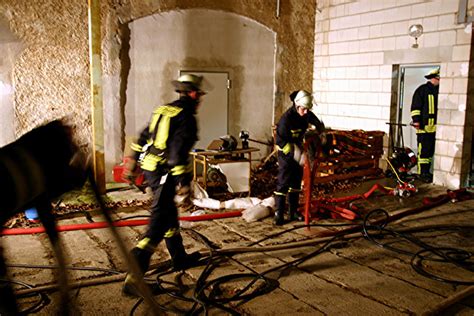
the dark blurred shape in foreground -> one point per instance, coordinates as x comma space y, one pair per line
38, 167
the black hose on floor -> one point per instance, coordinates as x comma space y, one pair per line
42, 297
458, 258
207, 294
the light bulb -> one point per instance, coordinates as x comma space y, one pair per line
415, 30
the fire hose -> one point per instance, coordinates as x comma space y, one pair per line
119, 223
321, 205
351, 231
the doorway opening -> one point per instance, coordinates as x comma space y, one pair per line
410, 77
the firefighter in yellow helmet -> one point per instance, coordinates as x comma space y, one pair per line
289, 139
424, 112
163, 149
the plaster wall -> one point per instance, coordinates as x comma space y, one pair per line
356, 45
10, 46
8, 52
51, 75
202, 40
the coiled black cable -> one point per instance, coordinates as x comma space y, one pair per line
210, 294
43, 298
207, 294
460, 258
35, 306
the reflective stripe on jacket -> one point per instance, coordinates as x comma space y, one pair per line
168, 138
159, 127
424, 107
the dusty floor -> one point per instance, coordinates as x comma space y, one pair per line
350, 276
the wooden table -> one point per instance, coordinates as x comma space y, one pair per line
207, 157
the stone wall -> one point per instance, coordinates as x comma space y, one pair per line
213, 42
51, 75
293, 25
357, 43
10, 47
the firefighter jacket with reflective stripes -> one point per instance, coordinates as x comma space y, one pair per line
292, 127
170, 135
424, 107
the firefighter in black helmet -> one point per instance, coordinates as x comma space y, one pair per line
163, 149
289, 139
424, 112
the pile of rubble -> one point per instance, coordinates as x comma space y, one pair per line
65, 208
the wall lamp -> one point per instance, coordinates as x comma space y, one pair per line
415, 30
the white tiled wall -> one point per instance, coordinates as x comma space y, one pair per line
356, 44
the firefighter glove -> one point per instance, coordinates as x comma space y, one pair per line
323, 138
130, 169
299, 155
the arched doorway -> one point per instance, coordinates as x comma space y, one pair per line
162, 45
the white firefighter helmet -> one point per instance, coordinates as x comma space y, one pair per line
304, 99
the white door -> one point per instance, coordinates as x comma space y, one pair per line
411, 77
213, 112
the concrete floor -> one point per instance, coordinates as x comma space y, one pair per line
352, 277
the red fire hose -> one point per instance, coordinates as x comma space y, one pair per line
119, 223
329, 205
427, 203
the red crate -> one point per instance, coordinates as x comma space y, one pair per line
119, 169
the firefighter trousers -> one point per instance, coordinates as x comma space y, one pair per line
426, 147
290, 174
163, 224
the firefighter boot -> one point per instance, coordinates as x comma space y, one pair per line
142, 256
181, 260
425, 175
293, 201
280, 210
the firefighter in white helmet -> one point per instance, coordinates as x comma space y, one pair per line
289, 140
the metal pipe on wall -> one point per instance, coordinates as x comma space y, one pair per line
463, 16
96, 94
277, 13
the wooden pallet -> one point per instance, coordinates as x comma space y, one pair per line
358, 155
334, 170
